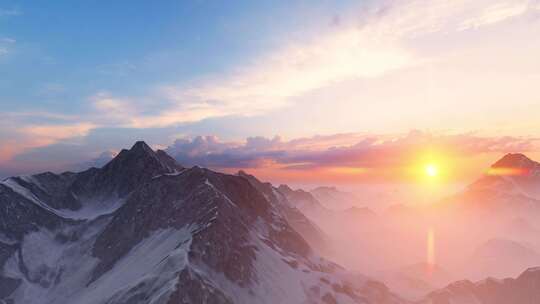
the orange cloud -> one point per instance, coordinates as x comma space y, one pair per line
34, 136
48, 134
367, 158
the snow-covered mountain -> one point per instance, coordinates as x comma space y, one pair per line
307, 228
143, 229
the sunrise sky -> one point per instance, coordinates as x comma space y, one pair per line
319, 91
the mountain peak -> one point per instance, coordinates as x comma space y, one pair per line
140, 151
515, 160
142, 155
141, 146
285, 189
326, 188
130, 168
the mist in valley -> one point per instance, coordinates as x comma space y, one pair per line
486, 230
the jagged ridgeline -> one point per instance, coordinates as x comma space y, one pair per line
144, 229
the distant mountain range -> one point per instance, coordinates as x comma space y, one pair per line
525, 289
489, 229
333, 198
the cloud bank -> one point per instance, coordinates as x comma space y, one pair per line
326, 151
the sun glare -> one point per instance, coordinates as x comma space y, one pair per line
431, 170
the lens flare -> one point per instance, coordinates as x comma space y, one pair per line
501, 171
430, 247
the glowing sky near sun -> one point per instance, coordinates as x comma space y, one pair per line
98, 76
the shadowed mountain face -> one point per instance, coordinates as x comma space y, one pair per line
143, 229
311, 232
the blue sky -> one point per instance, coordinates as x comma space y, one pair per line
65, 51
82, 77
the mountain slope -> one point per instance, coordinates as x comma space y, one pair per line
307, 229
143, 229
334, 199
305, 202
525, 289
499, 258
416, 280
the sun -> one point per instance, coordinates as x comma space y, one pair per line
431, 170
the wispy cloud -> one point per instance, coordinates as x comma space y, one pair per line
9, 12
353, 50
24, 117
5, 45
495, 13
112, 109
273, 81
49, 134
7, 40
16, 139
